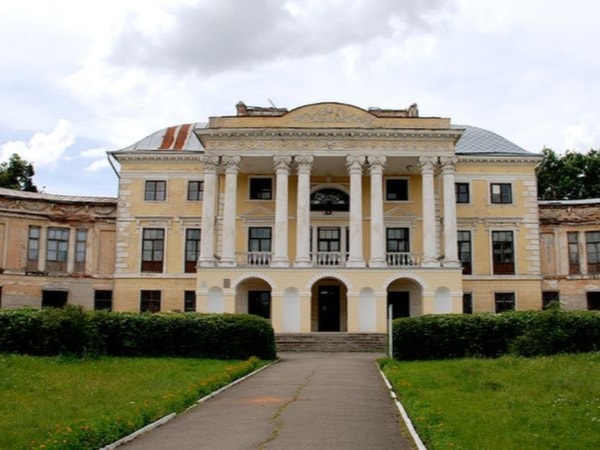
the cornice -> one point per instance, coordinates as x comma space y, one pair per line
158, 155
498, 159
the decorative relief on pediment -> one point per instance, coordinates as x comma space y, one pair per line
58, 211
331, 114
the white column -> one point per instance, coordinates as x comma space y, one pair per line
304, 166
376, 166
232, 166
450, 244
355, 168
207, 243
282, 171
427, 166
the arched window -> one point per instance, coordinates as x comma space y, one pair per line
328, 200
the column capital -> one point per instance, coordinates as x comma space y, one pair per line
355, 164
282, 164
210, 163
448, 163
427, 163
303, 164
376, 164
231, 163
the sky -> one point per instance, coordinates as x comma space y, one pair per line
80, 78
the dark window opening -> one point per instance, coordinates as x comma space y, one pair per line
400, 303
103, 300
504, 301
593, 301
155, 191
195, 190
54, 299
192, 249
261, 189
462, 193
259, 303
501, 192
464, 251
329, 200
573, 241
152, 250
592, 241
549, 297
189, 301
150, 301
467, 303
503, 250
396, 190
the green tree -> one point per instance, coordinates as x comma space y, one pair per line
16, 173
571, 176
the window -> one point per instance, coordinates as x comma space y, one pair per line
503, 251
464, 251
155, 191
501, 192
58, 244
397, 240
261, 189
592, 241
103, 300
54, 299
192, 249
150, 301
189, 301
195, 190
259, 239
573, 241
504, 301
33, 245
259, 303
467, 303
80, 247
153, 250
593, 301
396, 190
329, 239
549, 297
462, 193
329, 200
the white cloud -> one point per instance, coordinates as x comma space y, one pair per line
43, 149
99, 157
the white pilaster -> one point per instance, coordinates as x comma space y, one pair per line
42, 251
427, 166
450, 244
232, 166
376, 166
71, 250
207, 244
355, 168
282, 171
304, 166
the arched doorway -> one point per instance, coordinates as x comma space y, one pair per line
405, 297
329, 306
253, 296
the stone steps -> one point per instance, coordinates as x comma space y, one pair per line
331, 342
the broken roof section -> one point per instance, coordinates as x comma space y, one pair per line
176, 138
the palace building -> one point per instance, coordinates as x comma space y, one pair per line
319, 218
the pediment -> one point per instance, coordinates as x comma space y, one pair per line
334, 115
258, 213
399, 213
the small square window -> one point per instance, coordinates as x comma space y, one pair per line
504, 301
155, 191
501, 192
462, 193
396, 190
195, 190
261, 189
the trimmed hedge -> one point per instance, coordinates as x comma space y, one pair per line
526, 333
73, 331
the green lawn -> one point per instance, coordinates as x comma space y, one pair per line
504, 403
53, 402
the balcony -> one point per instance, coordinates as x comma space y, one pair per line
327, 259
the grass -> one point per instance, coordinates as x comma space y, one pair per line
504, 403
54, 402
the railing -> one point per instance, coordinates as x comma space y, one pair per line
401, 259
254, 258
329, 258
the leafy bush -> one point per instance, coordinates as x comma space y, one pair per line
526, 333
73, 331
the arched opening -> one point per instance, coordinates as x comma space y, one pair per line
253, 296
329, 305
404, 296
329, 200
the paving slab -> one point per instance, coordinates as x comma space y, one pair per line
305, 401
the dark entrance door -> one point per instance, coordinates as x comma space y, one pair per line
329, 308
400, 304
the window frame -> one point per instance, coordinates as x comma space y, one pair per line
189, 301
153, 192
459, 194
150, 301
195, 190
260, 240
573, 252
389, 192
592, 250
154, 264
190, 262
30, 240
259, 306
467, 265
504, 196
503, 265
397, 240
257, 193
57, 245
501, 299
103, 296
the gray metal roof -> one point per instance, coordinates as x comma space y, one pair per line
179, 137
479, 141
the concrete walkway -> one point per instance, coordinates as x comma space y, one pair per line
305, 401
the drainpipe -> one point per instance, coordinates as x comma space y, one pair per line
108, 155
